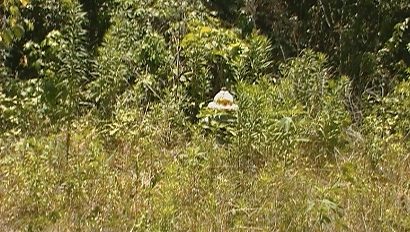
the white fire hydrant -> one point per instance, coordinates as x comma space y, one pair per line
223, 100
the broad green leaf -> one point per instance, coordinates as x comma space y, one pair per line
7, 37
18, 31
14, 10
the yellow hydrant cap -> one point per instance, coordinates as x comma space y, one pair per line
223, 100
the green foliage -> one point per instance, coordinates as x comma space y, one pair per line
207, 52
134, 60
215, 58
136, 52
304, 110
218, 122
365, 40
18, 107
266, 120
98, 20
322, 99
65, 75
139, 184
207, 56
308, 74
388, 124
327, 131
103, 124
255, 61
14, 24
46, 183
58, 57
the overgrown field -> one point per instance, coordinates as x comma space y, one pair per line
104, 124
144, 173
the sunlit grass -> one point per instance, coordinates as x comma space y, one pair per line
140, 184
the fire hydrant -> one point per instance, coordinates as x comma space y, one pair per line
220, 116
223, 100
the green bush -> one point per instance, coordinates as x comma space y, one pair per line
137, 51
266, 120
304, 112
309, 75
216, 57
207, 51
53, 64
19, 107
387, 125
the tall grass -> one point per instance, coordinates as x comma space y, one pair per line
157, 176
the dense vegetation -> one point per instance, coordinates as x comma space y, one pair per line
104, 125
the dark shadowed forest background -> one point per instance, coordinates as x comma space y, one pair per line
104, 124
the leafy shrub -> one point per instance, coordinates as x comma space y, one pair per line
38, 18
207, 52
124, 63
323, 99
68, 71
308, 75
207, 56
19, 107
136, 51
266, 126
14, 24
326, 132
291, 159
304, 111
218, 122
217, 57
253, 59
388, 124
55, 59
